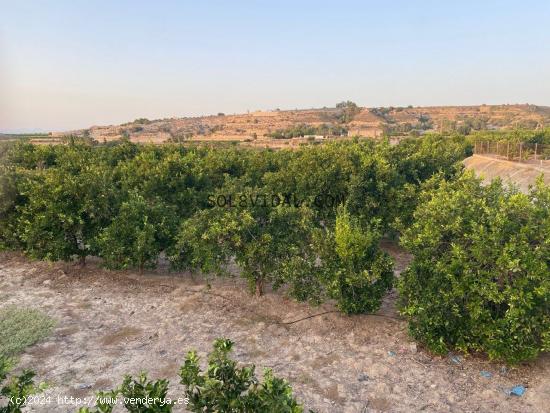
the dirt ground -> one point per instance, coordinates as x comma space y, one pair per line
522, 175
112, 323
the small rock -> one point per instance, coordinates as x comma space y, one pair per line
362, 377
391, 353
84, 386
486, 374
412, 348
456, 359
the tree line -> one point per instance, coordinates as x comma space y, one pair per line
473, 279
128, 204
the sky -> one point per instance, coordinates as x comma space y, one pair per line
73, 64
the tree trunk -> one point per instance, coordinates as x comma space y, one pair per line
259, 287
140, 268
82, 260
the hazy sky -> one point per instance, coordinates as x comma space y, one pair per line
73, 64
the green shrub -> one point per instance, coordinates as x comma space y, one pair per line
479, 278
65, 206
141, 390
344, 264
17, 389
224, 387
137, 396
256, 237
137, 234
9, 200
363, 273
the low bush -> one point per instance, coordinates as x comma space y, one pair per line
17, 389
345, 264
21, 327
223, 387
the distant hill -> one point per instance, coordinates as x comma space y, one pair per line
346, 120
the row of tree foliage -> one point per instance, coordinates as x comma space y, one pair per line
528, 136
128, 204
309, 219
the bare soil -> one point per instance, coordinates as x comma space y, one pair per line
522, 175
113, 323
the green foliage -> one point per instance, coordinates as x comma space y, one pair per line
137, 392
9, 200
17, 389
348, 110
21, 327
345, 264
416, 160
479, 279
138, 395
130, 203
105, 402
374, 187
224, 387
257, 237
137, 234
65, 206
320, 176
540, 136
205, 241
363, 273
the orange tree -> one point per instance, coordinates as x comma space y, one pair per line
479, 278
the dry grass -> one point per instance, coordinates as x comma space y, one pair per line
20, 328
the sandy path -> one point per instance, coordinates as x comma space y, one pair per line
112, 323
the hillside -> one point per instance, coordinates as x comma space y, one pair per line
259, 128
